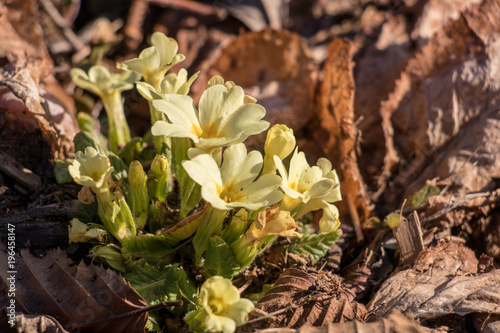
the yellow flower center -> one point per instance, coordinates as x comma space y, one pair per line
217, 305
210, 131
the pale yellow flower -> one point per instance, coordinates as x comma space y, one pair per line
171, 84
90, 169
222, 118
280, 141
310, 188
223, 308
101, 82
156, 60
234, 184
79, 232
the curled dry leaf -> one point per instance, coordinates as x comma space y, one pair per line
337, 131
31, 324
441, 282
30, 98
444, 109
300, 298
89, 298
274, 67
395, 322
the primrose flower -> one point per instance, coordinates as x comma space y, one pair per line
156, 60
222, 118
79, 232
233, 185
171, 84
101, 82
272, 221
222, 309
109, 87
217, 79
91, 169
310, 188
280, 142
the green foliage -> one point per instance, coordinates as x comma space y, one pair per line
220, 259
392, 220
190, 191
422, 196
152, 248
61, 172
157, 285
315, 245
87, 213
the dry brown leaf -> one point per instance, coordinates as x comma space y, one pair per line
31, 324
443, 118
274, 67
89, 298
30, 97
337, 132
395, 322
442, 282
300, 298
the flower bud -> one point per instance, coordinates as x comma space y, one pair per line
280, 141
138, 198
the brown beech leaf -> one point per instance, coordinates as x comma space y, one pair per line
31, 100
442, 282
89, 298
300, 298
395, 322
275, 67
442, 118
337, 132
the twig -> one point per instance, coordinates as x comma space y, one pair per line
135, 19
456, 204
82, 49
192, 6
355, 220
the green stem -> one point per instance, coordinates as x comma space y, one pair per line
161, 141
211, 225
118, 133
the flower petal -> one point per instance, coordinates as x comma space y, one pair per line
170, 130
210, 102
203, 169
167, 47
239, 311
179, 110
247, 119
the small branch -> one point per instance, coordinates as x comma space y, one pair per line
458, 203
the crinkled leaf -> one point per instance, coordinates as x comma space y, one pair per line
153, 248
392, 220
159, 285
132, 150
219, 259
315, 245
87, 213
61, 172
422, 196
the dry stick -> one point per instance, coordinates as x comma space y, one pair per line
272, 314
355, 220
133, 27
76, 43
192, 6
456, 204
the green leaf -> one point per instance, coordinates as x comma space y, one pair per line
422, 196
164, 284
219, 259
61, 172
153, 248
87, 213
132, 150
87, 125
392, 220
190, 191
315, 245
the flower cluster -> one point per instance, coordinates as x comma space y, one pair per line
203, 186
